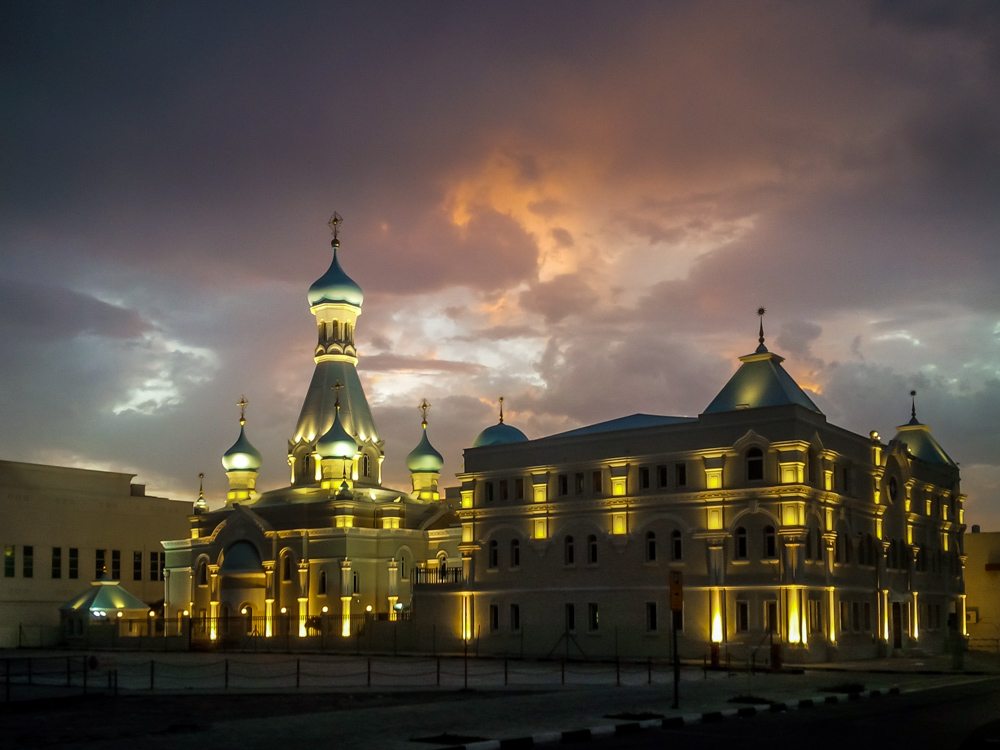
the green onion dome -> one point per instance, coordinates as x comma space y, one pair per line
242, 456
424, 458
335, 286
337, 442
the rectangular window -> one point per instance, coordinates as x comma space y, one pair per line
814, 616
515, 553
661, 476
519, 489
494, 617
578, 483
100, 563
28, 561
650, 617
856, 612
137, 566
845, 620
563, 484
592, 616
9, 561
515, 617
156, 562
742, 616
57, 562
643, 477
596, 480
116, 564
570, 618
681, 473
771, 616
488, 491
74, 562
504, 495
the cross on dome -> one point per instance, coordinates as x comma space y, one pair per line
242, 403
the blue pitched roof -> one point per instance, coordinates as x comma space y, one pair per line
631, 422
922, 444
760, 381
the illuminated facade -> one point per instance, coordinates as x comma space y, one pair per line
61, 528
787, 530
333, 548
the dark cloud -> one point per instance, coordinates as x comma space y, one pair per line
400, 363
565, 295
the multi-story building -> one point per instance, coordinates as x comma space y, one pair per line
335, 547
785, 529
62, 528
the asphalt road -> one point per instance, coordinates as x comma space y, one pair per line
960, 717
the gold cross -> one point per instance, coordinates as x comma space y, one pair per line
336, 388
424, 406
334, 222
501, 410
242, 403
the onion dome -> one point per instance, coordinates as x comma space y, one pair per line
337, 442
499, 434
242, 456
335, 286
424, 458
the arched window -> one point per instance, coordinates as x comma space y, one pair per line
592, 549
248, 619
568, 556
755, 464
515, 553
893, 489
493, 558
809, 544
676, 550
366, 465
286, 568
740, 544
357, 583
321, 586
334, 330
202, 573
650, 546
770, 543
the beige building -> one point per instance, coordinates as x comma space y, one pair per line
982, 585
784, 528
61, 528
334, 549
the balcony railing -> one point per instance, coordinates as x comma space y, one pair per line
437, 575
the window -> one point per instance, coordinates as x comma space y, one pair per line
156, 562
504, 494
770, 545
74, 562
568, 555
493, 554
740, 544
321, 585
845, 623
650, 617
9, 561
650, 546
661, 476
755, 464
578, 483
57, 562
116, 564
357, 583
101, 563
28, 561
592, 549
366, 465
515, 617
592, 616
202, 573
570, 618
563, 484
809, 544
519, 489
856, 612
742, 616
494, 617
813, 615
681, 474
596, 482
515, 553
137, 566
488, 491
893, 489
676, 551
643, 477
771, 616
286, 568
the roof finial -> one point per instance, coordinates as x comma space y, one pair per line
760, 339
336, 388
334, 223
242, 403
424, 406
913, 405
200, 502
501, 410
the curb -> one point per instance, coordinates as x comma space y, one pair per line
573, 736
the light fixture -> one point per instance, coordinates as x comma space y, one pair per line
119, 614
325, 610
368, 608
284, 611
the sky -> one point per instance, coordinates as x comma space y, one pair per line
578, 206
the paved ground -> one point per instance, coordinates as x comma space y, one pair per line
384, 718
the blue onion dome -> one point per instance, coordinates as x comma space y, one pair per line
337, 442
424, 458
499, 434
335, 286
242, 456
